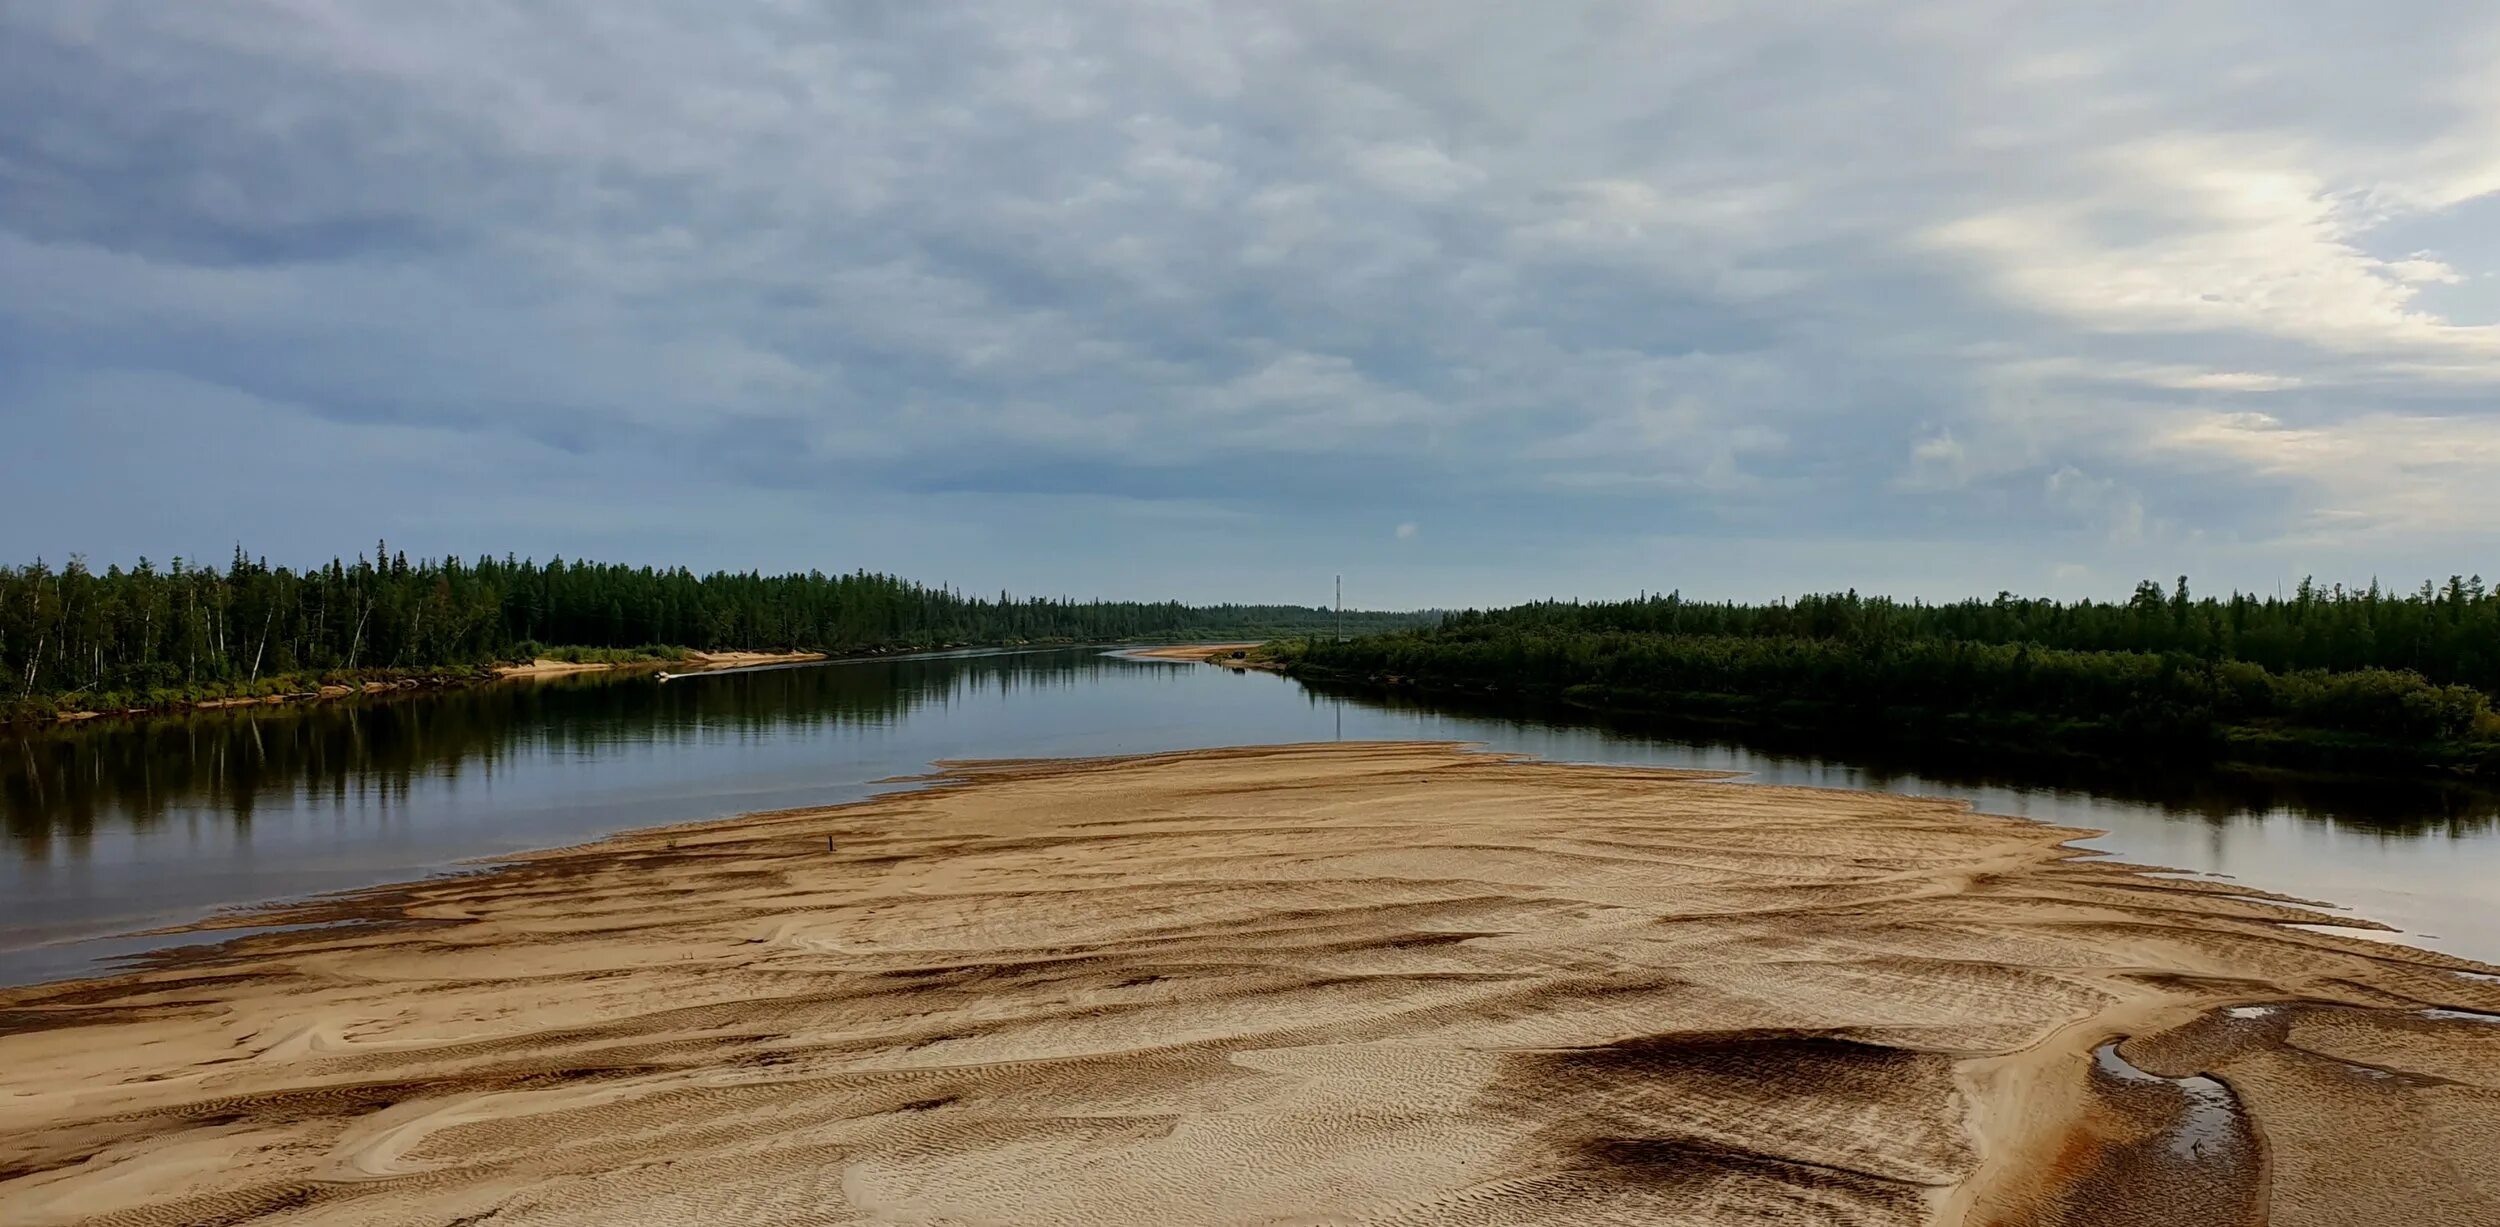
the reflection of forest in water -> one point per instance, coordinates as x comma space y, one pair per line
82, 779
68, 781
2420, 806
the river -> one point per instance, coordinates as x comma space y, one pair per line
120, 826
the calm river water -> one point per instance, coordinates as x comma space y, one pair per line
115, 827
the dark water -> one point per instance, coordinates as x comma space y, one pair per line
114, 827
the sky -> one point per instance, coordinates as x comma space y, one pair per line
1470, 302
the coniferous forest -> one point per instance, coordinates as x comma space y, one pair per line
73, 637
2357, 673
2322, 674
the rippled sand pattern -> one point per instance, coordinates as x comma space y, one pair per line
1321, 984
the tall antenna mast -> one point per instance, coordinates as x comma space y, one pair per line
1341, 606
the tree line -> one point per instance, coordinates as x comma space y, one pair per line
2445, 632
2365, 674
73, 636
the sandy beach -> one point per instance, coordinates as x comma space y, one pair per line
693, 662
1194, 651
1346, 983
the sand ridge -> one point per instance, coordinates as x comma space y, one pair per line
1347, 983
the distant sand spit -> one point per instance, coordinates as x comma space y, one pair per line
546, 667
1194, 651
1361, 983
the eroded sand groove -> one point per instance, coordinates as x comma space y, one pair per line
1345, 983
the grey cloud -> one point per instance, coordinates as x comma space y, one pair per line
1554, 275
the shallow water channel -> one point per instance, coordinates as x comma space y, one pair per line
117, 826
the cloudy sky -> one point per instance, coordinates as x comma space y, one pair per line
1472, 301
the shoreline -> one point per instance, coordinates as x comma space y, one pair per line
2239, 747
404, 681
692, 662
1231, 655
1525, 989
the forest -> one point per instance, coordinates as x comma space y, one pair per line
73, 637
2324, 673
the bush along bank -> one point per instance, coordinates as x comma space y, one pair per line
2019, 696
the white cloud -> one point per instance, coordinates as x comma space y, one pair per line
2233, 381
2101, 503
2204, 234
2421, 269
2368, 477
1937, 462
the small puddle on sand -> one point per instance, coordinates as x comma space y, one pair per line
2209, 1124
2155, 1149
2390, 936
2472, 1016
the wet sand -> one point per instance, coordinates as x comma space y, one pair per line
1318, 984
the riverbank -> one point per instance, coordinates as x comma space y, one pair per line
314, 688
347, 684
1211, 653
337, 684
2116, 737
691, 662
1355, 982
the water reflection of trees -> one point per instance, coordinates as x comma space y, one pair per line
76, 780
2426, 805
371, 753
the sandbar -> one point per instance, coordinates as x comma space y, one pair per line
1381, 983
